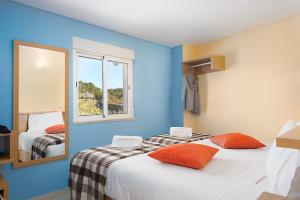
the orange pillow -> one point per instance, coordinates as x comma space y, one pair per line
188, 155
236, 141
59, 128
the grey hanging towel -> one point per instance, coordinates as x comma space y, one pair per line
191, 100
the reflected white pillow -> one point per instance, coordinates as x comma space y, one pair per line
43, 121
281, 164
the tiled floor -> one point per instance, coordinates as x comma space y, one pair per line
57, 195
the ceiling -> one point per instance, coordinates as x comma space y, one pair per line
172, 22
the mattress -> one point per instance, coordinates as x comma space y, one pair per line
26, 140
231, 175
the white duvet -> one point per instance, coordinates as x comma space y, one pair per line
231, 175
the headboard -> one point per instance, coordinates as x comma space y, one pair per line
23, 120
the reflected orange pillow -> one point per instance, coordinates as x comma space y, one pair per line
236, 141
56, 129
188, 155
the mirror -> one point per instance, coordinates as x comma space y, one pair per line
41, 129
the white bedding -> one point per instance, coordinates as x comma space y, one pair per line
26, 140
231, 175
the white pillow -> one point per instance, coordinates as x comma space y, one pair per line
43, 121
281, 164
288, 126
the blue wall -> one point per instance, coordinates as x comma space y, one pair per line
156, 91
176, 91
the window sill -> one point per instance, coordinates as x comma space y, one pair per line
103, 120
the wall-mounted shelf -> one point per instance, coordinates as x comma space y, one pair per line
204, 65
5, 156
3, 188
5, 134
4, 159
289, 140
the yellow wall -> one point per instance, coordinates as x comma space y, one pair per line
260, 89
41, 80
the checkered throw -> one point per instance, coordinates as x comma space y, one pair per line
41, 143
167, 139
88, 169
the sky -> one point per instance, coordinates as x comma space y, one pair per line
90, 70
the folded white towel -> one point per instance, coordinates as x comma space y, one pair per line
131, 142
181, 132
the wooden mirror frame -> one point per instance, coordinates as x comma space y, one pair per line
15, 134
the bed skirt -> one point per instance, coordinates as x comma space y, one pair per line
107, 198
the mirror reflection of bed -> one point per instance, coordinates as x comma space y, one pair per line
40, 103
35, 139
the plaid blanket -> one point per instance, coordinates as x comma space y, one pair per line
166, 139
88, 169
40, 144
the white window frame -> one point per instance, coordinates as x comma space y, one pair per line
96, 53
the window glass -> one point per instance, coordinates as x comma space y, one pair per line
90, 86
117, 88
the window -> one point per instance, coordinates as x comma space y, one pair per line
102, 87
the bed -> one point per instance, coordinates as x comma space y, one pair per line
27, 137
231, 175
25, 145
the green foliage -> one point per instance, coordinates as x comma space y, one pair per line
89, 107
115, 96
91, 98
92, 89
